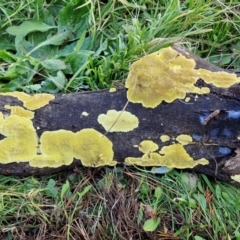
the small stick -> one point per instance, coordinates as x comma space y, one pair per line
212, 115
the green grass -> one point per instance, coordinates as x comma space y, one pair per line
118, 204
80, 47
94, 47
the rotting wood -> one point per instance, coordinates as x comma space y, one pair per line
218, 140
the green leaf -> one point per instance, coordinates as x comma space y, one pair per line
140, 215
78, 62
48, 86
57, 39
237, 201
32, 88
24, 68
27, 27
222, 59
11, 87
192, 203
85, 191
202, 201
158, 193
7, 57
54, 64
73, 47
226, 197
51, 183
74, 17
237, 234
198, 238
144, 189
151, 224
218, 192
59, 80
51, 191
189, 180
65, 189
5, 44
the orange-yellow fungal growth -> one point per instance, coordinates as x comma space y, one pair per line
167, 75
112, 90
31, 102
20, 144
118, 121
94, 149
165, 138
61, 147
173, 156
57, 148
147, 146
19, 111
184, 139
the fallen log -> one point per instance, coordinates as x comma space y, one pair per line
195, 125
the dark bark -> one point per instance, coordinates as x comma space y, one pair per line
217, 140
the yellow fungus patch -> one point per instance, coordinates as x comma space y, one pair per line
118, 121
57, 149
167, 75
94, 149
111, 90
173, 156
165, 138
19, 111
20, 142
61, 147
236, 178
184, 139
147, 146
31, 102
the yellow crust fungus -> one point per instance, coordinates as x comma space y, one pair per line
31, 102
19, 111
94, 149
184, 139
167, 75
165, 138
173, 156
111, 90
118, 121
60, 147
56, 148
20, 142
147, 146
236, 177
